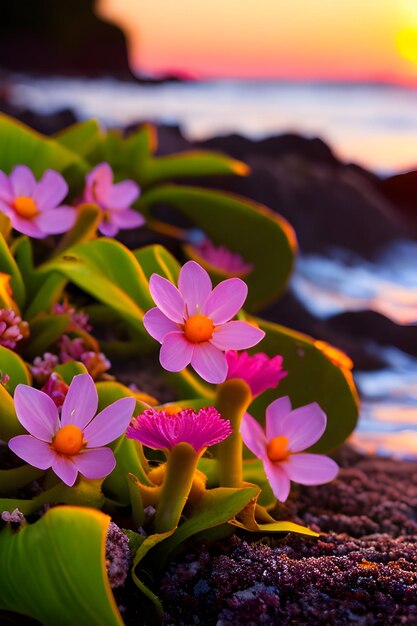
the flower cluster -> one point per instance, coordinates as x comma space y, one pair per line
12, 328
35, 207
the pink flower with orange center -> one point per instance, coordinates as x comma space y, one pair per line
114, 200
280, 448
193, 322
34, 208
72, 440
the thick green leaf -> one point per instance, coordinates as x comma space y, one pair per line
9, 424
70, 369
9, 266
316, 373
18, 477
84, 229
108, 271
49, 292
156, 259
44, 332
217, 506
187, 165
262, 237
278, 527
55, 571
17, 370
82, 138
19, 144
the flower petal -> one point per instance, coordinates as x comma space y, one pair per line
65, 468
176, 352
128, 218
36, 453
226, 300
110, 423
95, 463
253, 436
195, 286
27, 227
81, 401
275, 413
302, 427
167, 298
157, 324
209, 362
236, 335
6, 191
56, 221
23, 181
108, 228
98, 184
122, 195
50, 190
36, 411
278, 479
311, 469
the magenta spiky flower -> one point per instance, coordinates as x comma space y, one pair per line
34, 207
258, 370
114, 200
56, 388
162, 431
73, 440
194, 322
10, 328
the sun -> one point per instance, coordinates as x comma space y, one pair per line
406, 41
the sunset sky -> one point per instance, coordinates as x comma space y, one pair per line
291, 39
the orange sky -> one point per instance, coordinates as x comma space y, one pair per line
295, 39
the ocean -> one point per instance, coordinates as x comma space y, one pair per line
374, 125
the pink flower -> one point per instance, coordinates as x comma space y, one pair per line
163, 431
280, 449
192, 322
259, 370
34, 208
56, 388
72, 442
76, 350
43, 366
79, 319
11, 327
113, 200
222, 258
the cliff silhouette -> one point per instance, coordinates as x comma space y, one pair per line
61, 37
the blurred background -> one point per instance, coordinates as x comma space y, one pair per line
318, 97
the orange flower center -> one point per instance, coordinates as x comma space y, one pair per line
25, 207
277, 448
68, 440
198, 328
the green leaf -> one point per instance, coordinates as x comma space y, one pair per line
19, 144
18, 477
82, 138
9, 266
9, 424
217, 506
55, 571
17, 370
316, 373
70, 369
44, 332
260, 236
84, 229
278, 527
187, 165
49, 292
156, 259
107, 270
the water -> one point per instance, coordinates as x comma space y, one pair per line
328, 285
374, 125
